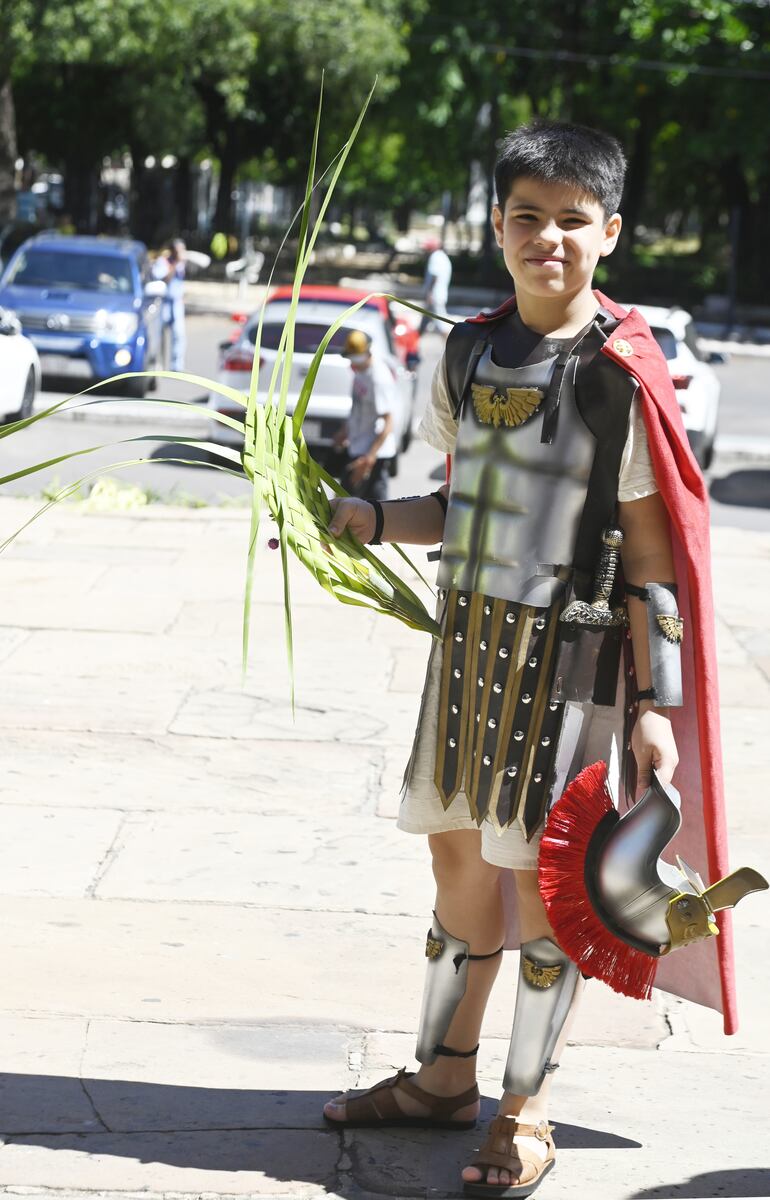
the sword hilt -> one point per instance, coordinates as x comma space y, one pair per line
604, 581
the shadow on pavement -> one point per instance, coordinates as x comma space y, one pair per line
748, 489
754, 1181
171, 453
278, 1134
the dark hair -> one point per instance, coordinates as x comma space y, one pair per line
558, 152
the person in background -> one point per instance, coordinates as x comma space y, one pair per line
170, 267
368, 435
438, 276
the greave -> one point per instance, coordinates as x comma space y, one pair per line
548, 980
446, 978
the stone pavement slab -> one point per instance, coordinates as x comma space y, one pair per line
244, 858
129, 771
63, 849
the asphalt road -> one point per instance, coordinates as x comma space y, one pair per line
740, 485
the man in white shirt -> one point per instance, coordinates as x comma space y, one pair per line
438, 276
369, 434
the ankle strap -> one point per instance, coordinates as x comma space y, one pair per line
448, 1052
541, 1131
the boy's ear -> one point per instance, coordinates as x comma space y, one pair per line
611, 234
497, 223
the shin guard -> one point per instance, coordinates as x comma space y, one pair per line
548, 980
446, 979
445, 982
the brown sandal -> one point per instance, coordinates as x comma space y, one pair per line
379, 1106
500, 1150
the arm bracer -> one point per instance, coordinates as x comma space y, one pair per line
665, 629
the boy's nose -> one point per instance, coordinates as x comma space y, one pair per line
549, 235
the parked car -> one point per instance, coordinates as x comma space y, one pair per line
89, 305
696, 382
330, 403
402, 323
19, 370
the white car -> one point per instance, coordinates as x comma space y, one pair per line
696, 383
330, 403
19, 370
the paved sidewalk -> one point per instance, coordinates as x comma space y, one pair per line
210, 922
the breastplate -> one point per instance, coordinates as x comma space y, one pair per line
515, 502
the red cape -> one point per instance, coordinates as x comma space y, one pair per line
703, 973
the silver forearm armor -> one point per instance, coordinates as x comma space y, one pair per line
665, 630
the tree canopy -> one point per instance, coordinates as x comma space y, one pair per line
682, 83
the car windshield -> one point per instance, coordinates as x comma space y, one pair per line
71, 270
307, 337
666, 341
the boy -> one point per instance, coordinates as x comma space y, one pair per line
368, 435
545, 407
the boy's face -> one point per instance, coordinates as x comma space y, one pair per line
552, 237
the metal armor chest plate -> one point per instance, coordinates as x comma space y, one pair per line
515, 502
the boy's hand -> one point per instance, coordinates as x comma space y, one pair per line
355, 515
653, 745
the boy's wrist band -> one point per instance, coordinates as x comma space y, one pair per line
379, 521
442, 500
646, 694
379, 515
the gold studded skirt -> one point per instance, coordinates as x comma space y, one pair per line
498, 728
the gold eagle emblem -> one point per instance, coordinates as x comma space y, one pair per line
433, 947
514, 408
672, 628
540, 976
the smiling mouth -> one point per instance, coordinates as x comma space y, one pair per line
559, 261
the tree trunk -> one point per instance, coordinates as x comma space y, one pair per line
223, 212
638, 174
183, 197
487, 245
402, 214
7, 153
80, 195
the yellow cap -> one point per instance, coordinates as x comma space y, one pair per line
357, 343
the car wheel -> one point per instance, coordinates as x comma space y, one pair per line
706, 456
152, 382
137, 388
27, 401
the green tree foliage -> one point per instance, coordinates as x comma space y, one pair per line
682, 83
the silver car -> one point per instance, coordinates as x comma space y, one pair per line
330, 403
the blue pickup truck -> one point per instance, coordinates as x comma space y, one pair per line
89, 305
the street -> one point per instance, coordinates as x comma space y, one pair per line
739, 479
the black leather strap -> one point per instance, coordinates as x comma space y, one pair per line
448, 1052
564, 363
442, 500
642, 594
379, 521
